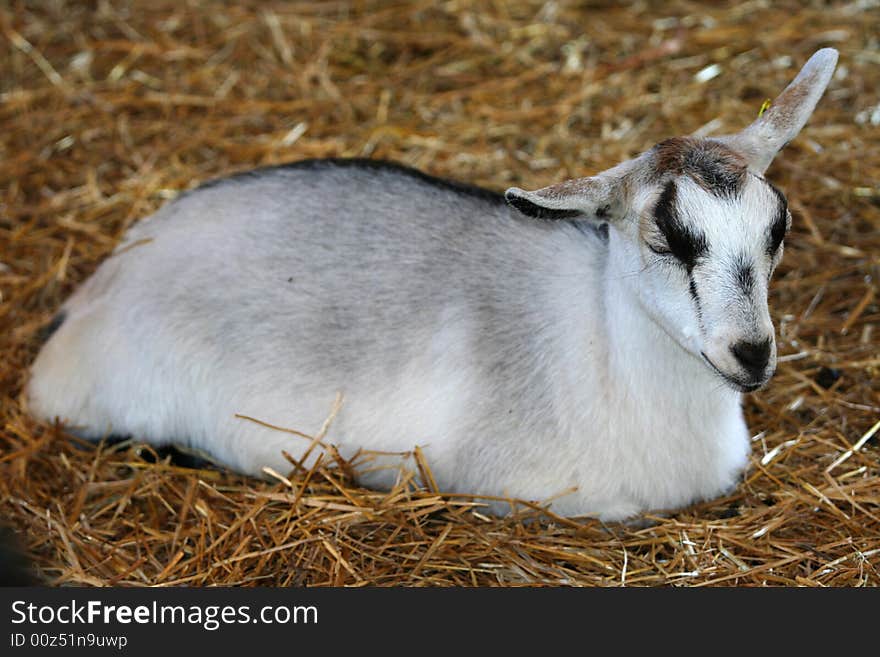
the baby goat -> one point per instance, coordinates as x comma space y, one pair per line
590, 338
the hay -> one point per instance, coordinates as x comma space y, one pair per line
108, 111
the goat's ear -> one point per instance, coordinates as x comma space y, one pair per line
783, 120
600, 197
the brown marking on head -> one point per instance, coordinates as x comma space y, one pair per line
712, 165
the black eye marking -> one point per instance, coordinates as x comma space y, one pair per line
779, 227
684, 243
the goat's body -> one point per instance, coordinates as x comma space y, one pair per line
510, 349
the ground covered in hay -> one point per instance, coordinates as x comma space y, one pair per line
108, 109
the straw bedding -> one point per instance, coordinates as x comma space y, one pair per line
110, 109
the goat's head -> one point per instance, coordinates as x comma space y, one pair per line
697, 231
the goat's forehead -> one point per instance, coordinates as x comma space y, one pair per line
744, 214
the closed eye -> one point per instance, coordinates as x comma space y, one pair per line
659, 250
682, 241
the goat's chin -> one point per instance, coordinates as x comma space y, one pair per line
733, 382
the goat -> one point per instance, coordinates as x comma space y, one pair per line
591, 338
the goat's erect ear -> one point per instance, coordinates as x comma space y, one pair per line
783, 120
599, 197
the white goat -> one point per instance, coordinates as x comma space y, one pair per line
592, 339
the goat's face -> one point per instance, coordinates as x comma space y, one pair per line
700, 229
705, 239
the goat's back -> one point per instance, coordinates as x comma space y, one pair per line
435, 309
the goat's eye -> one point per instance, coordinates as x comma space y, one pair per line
659, 250
779, 227
778, 230
683, 241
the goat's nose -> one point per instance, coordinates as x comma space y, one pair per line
753, 356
